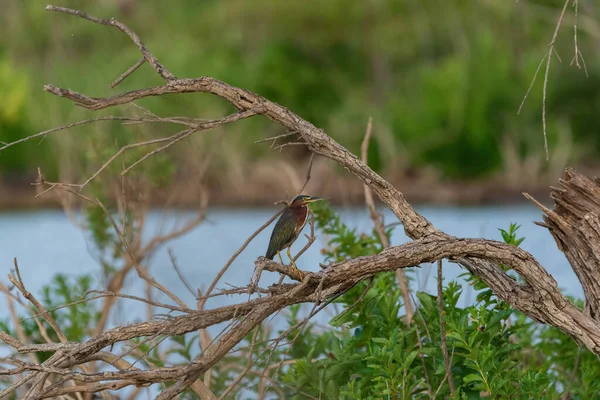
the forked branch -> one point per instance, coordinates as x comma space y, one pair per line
539, 297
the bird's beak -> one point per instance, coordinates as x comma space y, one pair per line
313, 199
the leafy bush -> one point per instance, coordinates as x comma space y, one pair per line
495, 351
444, 82
368, 351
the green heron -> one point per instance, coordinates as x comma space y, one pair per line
288, 227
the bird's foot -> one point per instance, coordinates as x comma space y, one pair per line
300, 273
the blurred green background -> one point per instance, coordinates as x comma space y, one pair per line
442, 79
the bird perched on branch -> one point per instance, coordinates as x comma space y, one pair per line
288, 227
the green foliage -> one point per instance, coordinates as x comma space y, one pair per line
344, 242
444, 82
14, 123
510, 236
77, 319
368, 351
105, 242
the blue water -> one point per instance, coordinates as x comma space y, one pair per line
47, 242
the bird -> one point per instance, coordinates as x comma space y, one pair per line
288, 227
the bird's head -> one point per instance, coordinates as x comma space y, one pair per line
303, 200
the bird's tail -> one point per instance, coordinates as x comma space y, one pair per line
271, 252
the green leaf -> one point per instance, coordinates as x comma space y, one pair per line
425, 300
473, 378
497, 317
380, 340
410, 358
455, 335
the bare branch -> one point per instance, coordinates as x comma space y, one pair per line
281, 146
158, 67
179, 274
18, 327
380, 227
539, 297
548, 57
233, 257
440, 301
61, 128
274, 138
125, 74
336, 279
241, 375
170, 141
18, 282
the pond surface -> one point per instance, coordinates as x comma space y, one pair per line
47, 242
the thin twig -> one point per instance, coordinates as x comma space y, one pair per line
104, 294
422, 357
380, 228
311, 239
158, 67
18, 282
18, 327
154, 303
125, 74
274, 138
63, 127
548, 57
358, 300
241, 375
312, 313
531, 84
179, 274
170, 141
308, 172
141, 272
235, 255
441, 311
577, 52
12, 298
281, 146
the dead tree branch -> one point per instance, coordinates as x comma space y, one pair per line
380, 227
539, 297
575, 225
548, 59
440, 300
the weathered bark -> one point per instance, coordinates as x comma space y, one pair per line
575, 225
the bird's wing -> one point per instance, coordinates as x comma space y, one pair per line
283, 233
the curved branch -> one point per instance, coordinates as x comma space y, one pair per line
158, 67
575, 225
415, 225
539, 298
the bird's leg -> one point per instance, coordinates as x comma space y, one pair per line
280, 260
292, 263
